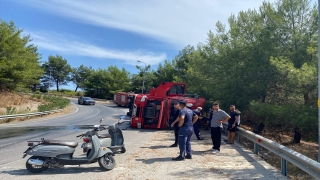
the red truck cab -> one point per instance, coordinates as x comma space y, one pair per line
152, 111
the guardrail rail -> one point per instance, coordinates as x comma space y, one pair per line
3, 117
306, 164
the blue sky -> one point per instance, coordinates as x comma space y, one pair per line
100, 33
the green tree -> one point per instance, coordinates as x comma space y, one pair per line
117, 80
165, 72
79, 75
57, 70
19, 59
145, 74
103, 83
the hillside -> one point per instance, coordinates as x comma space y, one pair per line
21, 103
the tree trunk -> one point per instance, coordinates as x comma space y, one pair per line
263, 100
57, 84
306, 98
76, 88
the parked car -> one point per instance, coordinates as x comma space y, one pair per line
86, 100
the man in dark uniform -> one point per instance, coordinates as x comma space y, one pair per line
187, 116
196, 125
175, 114
232, 124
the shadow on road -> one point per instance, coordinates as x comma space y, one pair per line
66, 170
153, 160
156, 147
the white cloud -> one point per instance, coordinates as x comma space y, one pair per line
64, 44
178, 22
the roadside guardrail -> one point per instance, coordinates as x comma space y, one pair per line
29, 114
306, 164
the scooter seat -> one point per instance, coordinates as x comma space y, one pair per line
104, 136
61, 142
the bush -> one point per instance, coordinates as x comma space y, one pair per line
66, 92
54, 103
286, 117
11, 110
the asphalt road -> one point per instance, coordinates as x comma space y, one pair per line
13, 136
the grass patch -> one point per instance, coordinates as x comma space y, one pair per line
66, 92
52, 102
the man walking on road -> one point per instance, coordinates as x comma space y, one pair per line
175, 114
186, 119
218, 117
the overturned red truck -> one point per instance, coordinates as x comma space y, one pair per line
152, 111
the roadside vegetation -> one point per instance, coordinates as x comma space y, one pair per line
66, 93
51, 102
21, 104
16, 104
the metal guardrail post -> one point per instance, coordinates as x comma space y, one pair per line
284, 166
256, 148
238, 138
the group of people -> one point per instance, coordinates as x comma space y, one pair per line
186, 121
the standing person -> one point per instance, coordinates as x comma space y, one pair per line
209, 121
186, 118
196, 125
175, 114
218, 117
232, 124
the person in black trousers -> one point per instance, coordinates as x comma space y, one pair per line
175, 113
196, 125
218, 117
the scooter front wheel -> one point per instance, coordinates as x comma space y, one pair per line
123, 150
107, 162
36, 168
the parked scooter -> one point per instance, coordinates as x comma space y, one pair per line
57, 153
113, 139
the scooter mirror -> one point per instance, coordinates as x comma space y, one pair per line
101, 121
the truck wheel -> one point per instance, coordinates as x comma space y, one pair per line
35, 168
123, 149
107, 162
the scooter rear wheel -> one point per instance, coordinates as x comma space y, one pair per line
107, 162
35, 168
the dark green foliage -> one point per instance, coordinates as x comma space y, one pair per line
103, 83
54, 102
265, 63
80, 75
57, 70
19, 59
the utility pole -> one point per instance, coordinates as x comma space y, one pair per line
318, 81
145, 67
